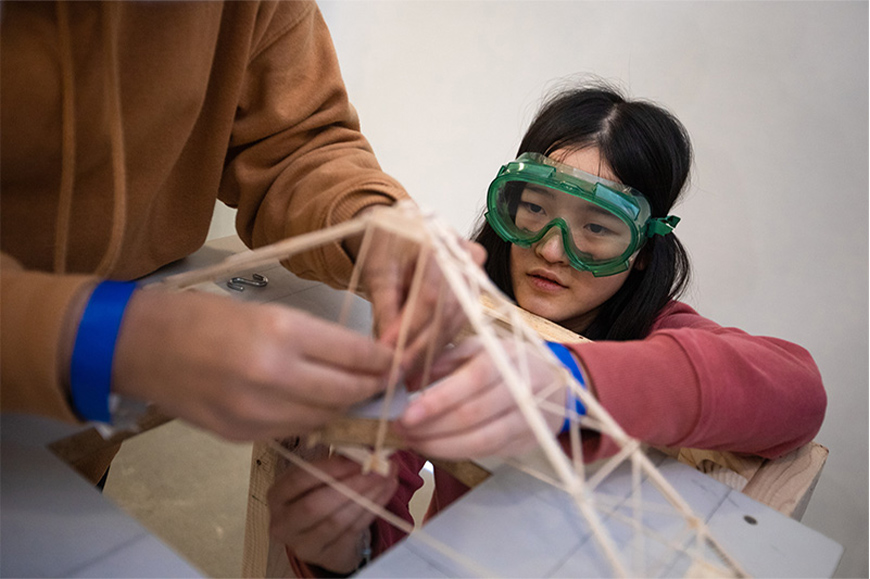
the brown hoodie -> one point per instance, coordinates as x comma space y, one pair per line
121, 124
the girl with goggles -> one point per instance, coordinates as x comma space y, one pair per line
578, 230
570, 238
603, 223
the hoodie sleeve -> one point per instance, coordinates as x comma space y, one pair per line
298, 161
692, 383
40, 314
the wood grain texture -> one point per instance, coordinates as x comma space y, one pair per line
264, 462
787, 483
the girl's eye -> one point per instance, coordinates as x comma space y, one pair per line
596, 228
531, 207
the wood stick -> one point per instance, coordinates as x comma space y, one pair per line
548, 330
353, 284
487, 310
433, 341
401, 342
262, 255
525, 401
364, 432
83, 444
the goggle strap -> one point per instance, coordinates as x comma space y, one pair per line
661, 225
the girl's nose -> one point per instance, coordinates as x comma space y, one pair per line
550, 247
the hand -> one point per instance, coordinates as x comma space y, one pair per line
387, 274
321, 525
245, 371
471, 413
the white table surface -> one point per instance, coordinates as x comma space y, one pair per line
54, 523
515, 525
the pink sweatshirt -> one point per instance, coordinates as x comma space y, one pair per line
689, 383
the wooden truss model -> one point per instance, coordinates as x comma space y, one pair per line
510, 336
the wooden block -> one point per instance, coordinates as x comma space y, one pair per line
76, 448
549, 331
349, 430
787, 483
734, 470
255, 555
262, 556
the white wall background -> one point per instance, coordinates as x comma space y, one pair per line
775, 96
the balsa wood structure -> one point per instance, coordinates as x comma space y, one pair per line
512, 338
511, 344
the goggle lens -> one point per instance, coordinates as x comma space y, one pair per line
602, 223
590, 232
594, 233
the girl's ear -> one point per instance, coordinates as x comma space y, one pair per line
642, 259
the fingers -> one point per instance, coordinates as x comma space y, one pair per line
454, 357
455, 403
296, 482
302, 505
486, 421
245, 371
386, 298
422, 307
249, 371
386, 273
314, 383
471, 412
432, 336
291, 356
330, 344
322, 514
253, 418
465, 375
322, 525
506, 435
435, 314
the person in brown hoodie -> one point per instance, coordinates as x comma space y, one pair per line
122, 123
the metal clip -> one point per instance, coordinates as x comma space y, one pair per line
239, 283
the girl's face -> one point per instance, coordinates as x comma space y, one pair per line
544, 282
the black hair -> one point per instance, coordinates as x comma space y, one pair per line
647, 148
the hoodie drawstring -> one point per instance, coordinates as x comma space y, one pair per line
112, 86
68, 140
111, 90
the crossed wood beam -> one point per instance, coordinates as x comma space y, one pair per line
368, 432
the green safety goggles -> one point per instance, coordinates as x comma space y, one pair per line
603, 224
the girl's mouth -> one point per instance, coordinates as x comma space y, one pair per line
545, 283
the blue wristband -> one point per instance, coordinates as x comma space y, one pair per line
94, 350
564, 355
